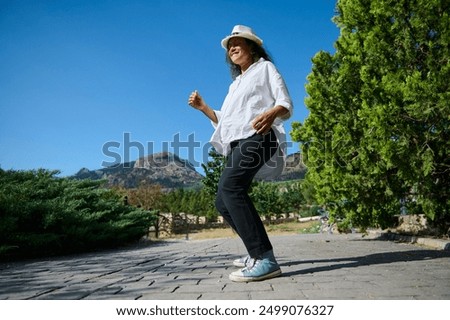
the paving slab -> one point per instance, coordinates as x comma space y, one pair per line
315, 266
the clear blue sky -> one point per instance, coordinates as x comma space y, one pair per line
80, 77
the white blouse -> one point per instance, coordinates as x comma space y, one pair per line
259, 89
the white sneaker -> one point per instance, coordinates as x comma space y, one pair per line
263, 268
241, 262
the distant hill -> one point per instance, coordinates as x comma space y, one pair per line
295, 168
165, 169
169, 171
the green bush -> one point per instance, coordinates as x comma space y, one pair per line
41, 214
310, 211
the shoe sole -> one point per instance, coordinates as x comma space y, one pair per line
239, 265
271, 275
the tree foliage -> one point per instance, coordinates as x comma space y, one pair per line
195, 202
146, 196
42, 214
377, 136
267, 199
293, 196
213, 170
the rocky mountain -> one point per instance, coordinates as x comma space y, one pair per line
165, 169
295, 168
169, 171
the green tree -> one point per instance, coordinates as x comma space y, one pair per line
146, 196
213, 170
266, 198
377, 135
291, 196
196, 202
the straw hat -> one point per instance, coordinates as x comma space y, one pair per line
242, 32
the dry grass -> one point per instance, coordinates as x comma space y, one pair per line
274, 229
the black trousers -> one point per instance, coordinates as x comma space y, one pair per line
233, 202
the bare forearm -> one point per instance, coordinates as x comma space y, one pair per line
209, 112
279, 111
263, 122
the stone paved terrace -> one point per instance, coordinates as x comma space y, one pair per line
317, 266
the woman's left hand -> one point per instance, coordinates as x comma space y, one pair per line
264, 121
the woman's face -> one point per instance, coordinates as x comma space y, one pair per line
239, 52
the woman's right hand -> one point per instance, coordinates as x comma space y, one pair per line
196, 101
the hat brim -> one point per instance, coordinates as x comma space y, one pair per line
248, 36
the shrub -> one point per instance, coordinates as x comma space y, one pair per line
41, 214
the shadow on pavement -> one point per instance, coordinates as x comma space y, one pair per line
366, 260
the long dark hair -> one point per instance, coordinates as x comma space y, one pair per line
257, 53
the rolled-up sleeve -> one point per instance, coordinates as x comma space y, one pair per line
218, 115
280, 91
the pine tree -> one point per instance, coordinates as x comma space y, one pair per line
377, 136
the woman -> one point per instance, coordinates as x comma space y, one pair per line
249, 130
